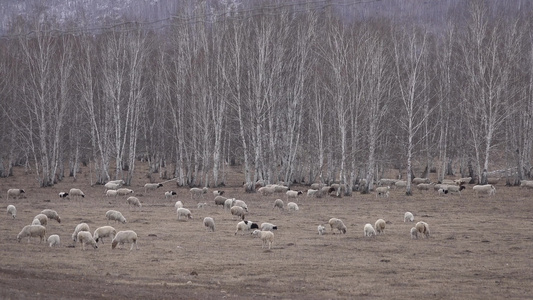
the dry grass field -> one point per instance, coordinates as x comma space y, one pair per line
479, 248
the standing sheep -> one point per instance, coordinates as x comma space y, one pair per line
134, 202
266, 237
170, 194
293, 194
382, 191
228, 204
15, 193
291, 206
408, 216
42, 218
266, 191
51, 214
368, 230
278, 204
197, 192
111, 193
422, 227
126, 236
36, 222
321, 229
114, 215
219, 200
268, 227
380, 226
151, 187
112, 185
241, 204
54, 240
30, 231
335, 223
245, 226
209, 223
85, 237
76, 193
12, 210
63, 194
79, 227
414, 233
183, 212
218, 193
178, 204
486, 188
124, 192
105, 231
238, 211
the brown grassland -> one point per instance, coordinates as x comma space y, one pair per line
479, 248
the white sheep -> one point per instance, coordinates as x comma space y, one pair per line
400, 183
485, 188
197, 192
76, 193
105, 231
526, 183
293, 194
278, 204
380, 226
15, 193
85, 237
228, 204
170, 194
414, 233
312, 192
422, 227
119, 181
368, 230
54, 240
51, 214
124, 191
36, 222
111, 193
418, 180
280, 188
209, 223
241, 204
266, 190
219, 200
183, 212
291, 206
442, 191
321, 229
114, 215
201, 205
424, 186
63, 194
134, 202
408, 217
387, 182
245, 226
455, 189
463, 180
268, 227
112, 186
42, 218
30, 231
335, 223
178, 204
79, 227
238, 211
218, 193
126, 236
152, 187
12, 210
382, 191
266, 237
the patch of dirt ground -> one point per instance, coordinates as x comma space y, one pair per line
479, 248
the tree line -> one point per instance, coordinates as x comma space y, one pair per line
289, 95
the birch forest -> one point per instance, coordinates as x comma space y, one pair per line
295, 92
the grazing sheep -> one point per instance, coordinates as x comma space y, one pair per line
219, 200
291, 206
112, 185
463, 180
321, 229
312, 192
335, 223
245, 226
209, 223
76, 193
278, 203
183, 212
124, 192
414, 233
266, 237
317, 186
30, 231
293, 194
526, 183
442, 191
485, 188
241, 204
151, 187
493, 180
42, 218
12, 210
178, 204
455, 189
268, 227
382, 191
54, 240
266, 190
368, 230
79, 227
201, 205
134, 202
36, 222
105, 231
380, 226
418, 180
115, 215
400, 183
15, 193
228, 204
51, 214
218, 193
170, 194
238, 211
424, 186
422, 227
126, 236
280, 188
111, 193
408, 216
85, 237
197, 192
63, 194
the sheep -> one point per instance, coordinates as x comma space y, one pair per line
245, 226
279, 204
79, 227
266, 190
51, 214
229, 203
339, 189
114, 215
112, 186
111, 193
442, 191
291, 206
134, 202
197, 192
400, 183
335, 223
380, 226
183, 212
268, 227
486, 188
126, 236
463, 180
170, 194
76, 193
317, 186
414, 233
382, 191
280, 188
493, 180
321, 229
42, 218
36, 222
63, 194
424, 186
266, 237
201, 205
105, 231
368, 230
293, 194
209, 223
218, 193
386, 182
526, 183
118, 181
152, 187
178, 204
312, 192
455, 189
12, 210
408, 216
54, 240
418, 180
219, 200
85, 237
241, 204
238, 211
422, 227
30, 231
124, 191
15, 193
